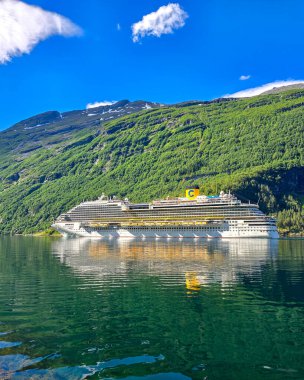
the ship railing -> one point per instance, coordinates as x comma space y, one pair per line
164, 218
154, 224
212, 202
174, 217
155, 218
138, 223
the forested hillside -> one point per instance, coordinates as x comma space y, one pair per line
254, 147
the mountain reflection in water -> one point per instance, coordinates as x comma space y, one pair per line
151, 310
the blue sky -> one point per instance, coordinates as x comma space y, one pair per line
220, 41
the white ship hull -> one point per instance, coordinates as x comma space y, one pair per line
222, 216
174, 232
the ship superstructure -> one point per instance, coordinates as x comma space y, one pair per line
193, 216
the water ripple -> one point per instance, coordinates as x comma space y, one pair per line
70, 373
106, 309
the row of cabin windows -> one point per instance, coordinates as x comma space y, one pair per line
161, 212
185, 228
194, 210
91, 216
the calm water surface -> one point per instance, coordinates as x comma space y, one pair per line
78, 308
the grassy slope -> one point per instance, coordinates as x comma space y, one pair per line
252, 146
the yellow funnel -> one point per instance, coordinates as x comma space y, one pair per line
192, 192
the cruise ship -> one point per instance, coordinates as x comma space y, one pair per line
192, 216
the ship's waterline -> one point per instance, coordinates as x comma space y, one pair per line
196, 216
165, 233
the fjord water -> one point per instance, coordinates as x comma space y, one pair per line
78, 308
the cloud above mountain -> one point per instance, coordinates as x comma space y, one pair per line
265, 87
164, 21
100, 104
23, 26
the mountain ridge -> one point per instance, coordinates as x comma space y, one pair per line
277, 90
50, 127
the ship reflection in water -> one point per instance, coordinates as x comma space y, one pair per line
193, 263
74, 309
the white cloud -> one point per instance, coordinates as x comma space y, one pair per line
22, 26
245, 77
100, 104
163, 21
259, 90
118, 27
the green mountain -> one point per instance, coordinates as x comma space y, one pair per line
253, 146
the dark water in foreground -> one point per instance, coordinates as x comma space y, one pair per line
77, 308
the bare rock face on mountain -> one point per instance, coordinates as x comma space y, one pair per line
53, 127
